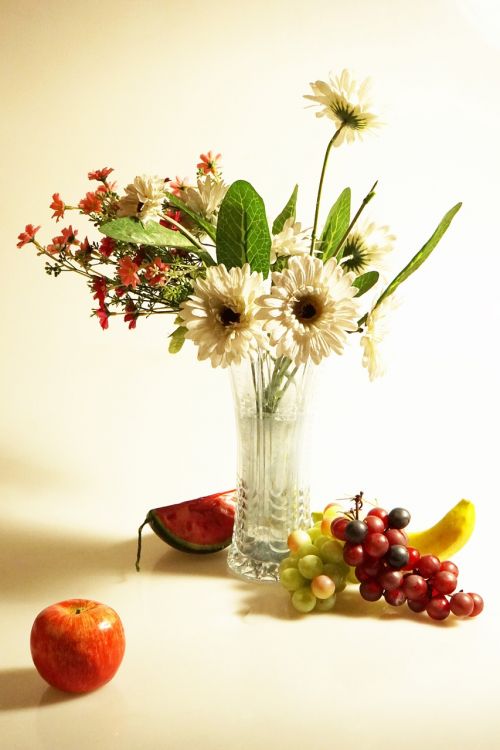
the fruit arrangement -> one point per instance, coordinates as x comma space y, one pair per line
374, 551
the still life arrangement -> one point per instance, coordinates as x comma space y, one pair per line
269, 301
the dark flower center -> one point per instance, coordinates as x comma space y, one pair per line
356, 254
229, 317
306, 310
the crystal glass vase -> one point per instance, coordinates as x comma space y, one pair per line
272, 399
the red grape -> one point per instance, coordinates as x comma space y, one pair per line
415, 587
338, 528
362, 574
444, 582
395, 597
353, 554
414, 557
371, 591
395, 536
478, 605
376, 545
379, 513
374, 524
391, 579
418, 605
397, 556
355, 531
398, 518
450, 567
372, 566
461, 604
428, 565
438, 608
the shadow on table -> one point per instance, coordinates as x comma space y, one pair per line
31, 556
257, 601
24, 688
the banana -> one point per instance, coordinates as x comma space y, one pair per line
449, 534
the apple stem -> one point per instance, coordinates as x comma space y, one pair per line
139, 545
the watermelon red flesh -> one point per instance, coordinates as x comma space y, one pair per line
201, 525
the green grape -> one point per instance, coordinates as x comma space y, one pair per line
337, 573
314, 533
303, 599
291, 579
311, 566
323, 587
297, 539
289, 562
307, 549
351, 576
321, 541
333, 551
325, 605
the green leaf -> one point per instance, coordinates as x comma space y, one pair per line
288, 212
365, 282
422, 254
128, 229
336, 224
242, 229
208, 228
177, 339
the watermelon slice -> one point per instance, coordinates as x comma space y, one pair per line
199, 526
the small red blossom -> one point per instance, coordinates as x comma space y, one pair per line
57, 206
100, 174
127, 271
28, 235
84, 253
131, 315
68, 235
107, 187
176, 216
99, 286
209, 163
90, 204
179, 185
120, 291
156, 272
107, 247
103, 315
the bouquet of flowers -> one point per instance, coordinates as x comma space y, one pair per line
238, 287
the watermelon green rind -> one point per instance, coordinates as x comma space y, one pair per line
198, 526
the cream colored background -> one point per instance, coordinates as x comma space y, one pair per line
100, 426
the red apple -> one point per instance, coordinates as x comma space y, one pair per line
77, 645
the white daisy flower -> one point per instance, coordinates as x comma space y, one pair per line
367, 248
346, 103
144, 198
310, 309
291, 240
206, 197
220, 315
376, 329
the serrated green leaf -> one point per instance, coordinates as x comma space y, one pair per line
128, 229
177, 339
288, 212
242, 229
365, 282
336, 224
422, 254
208, 228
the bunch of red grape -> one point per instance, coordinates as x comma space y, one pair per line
378, 549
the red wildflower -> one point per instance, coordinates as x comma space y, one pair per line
127, 271
107, 247
131, 315
100, 174
68, 235
103, 316
84, 253
209, 163
156, 272
57, 206
90, 204
28, 235
120, 291
176, 216
106, 187
100, 288
178, 185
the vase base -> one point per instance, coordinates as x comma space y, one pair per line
251, 569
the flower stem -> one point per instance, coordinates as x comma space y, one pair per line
338, 250
184, 231
320, 186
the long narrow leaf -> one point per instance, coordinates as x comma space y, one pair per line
422, 254
208, 228
336, 224
288, 212
365, 282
